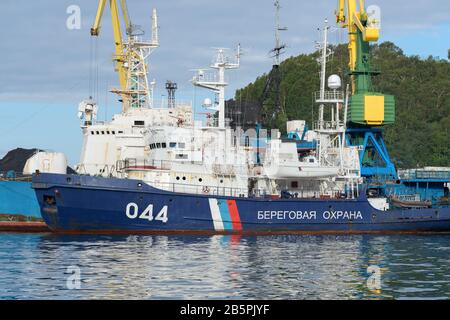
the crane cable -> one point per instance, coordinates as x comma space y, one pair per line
93, 69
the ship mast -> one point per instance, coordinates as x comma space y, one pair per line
217, 82
272, 85
279, 47
331, 131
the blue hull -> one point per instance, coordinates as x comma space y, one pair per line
18, 201
84, 204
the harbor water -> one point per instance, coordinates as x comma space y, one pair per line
45, 266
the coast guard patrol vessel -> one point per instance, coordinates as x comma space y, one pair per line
162, 171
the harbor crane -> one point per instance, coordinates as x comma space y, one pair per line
130, 55
119, 56
369, 111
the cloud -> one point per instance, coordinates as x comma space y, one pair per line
42, 58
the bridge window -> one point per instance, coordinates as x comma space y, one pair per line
139, 123
247, 141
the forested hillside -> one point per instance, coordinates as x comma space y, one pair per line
421, 134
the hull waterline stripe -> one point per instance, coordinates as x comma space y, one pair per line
216, 216
234, 213
225, 213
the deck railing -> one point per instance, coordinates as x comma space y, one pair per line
137, 164
425, 175
329, 96
13, 176
201, 189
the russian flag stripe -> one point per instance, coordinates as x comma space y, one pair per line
216, 216
225, 213
234, 213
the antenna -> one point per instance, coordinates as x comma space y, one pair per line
217, 82
155, 35
279, 47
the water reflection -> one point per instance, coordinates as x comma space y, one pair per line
224, 267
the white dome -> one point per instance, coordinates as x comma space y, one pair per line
207, 103
334, 82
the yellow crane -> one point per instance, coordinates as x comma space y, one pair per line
120, 54
367, 107
355, 20
368, 110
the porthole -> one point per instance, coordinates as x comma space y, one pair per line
200, 180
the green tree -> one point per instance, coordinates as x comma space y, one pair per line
420, 135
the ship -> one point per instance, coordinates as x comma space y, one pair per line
159, 170
19, 208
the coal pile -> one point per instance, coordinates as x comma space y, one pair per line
15, 159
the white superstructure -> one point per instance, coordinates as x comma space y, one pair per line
169, 150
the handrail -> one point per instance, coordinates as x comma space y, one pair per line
425, 174
13, 176
333, 96
200, 189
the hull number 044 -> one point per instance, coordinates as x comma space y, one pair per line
132, 212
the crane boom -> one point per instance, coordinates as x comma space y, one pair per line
355, 20
367, 107
118, 41
126, 18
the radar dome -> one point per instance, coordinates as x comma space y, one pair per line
207, 103
334, 82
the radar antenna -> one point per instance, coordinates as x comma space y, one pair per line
279, 47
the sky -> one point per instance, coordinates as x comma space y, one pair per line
45, 66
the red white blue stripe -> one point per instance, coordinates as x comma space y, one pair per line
225, 215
